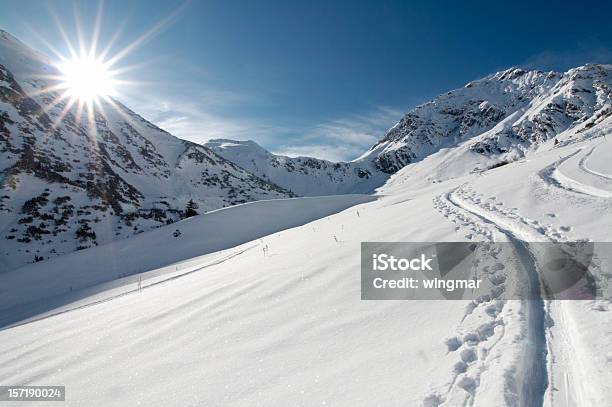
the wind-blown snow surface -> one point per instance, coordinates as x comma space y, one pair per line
243, 329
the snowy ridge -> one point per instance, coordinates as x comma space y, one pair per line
306, 176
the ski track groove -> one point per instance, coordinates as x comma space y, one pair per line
583, 165
552, 175
476, 216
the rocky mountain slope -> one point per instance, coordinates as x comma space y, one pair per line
70, 181
507, 114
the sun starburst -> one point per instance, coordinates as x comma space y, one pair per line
89, 76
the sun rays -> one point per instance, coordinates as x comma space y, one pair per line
85, 79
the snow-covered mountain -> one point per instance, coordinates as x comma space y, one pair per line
71, 181
259, 304
500, 117
491, 121
306, 176
68, 181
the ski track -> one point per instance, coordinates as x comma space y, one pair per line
559, 368
583, 165
487, 219
507, 220
552, 175
532, 375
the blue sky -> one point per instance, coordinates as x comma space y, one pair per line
322, 78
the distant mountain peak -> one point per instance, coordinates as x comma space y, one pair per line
306, 176
237, 146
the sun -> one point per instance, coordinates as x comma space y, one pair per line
86, 79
